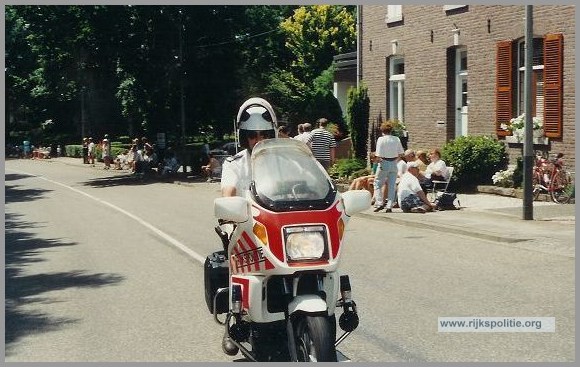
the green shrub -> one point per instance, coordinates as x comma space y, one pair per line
475, 158
75, 151
344, 168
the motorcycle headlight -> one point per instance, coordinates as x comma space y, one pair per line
305, 243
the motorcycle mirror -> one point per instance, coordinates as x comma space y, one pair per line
356, 201
232, 209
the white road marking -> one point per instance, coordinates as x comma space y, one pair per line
144, 223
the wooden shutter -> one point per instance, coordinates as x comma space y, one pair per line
553, 84
503, 86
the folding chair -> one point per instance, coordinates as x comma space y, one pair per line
440, 187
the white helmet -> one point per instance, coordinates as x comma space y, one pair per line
255, 114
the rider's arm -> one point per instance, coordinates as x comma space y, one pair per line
229, 191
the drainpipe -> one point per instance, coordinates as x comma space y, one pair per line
358, 43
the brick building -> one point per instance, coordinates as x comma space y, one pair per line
452, 70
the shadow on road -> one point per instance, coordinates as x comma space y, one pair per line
24, 290
131, 179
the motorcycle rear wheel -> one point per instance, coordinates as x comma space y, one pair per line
315, 339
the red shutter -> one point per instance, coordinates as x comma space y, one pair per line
503, 86
553, 84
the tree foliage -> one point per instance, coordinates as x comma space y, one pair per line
132, 70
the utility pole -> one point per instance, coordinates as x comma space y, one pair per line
181, 77
528, 200
83, 114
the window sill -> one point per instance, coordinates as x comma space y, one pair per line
537, 141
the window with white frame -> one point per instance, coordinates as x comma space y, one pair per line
537, 77
396, 88
394, 13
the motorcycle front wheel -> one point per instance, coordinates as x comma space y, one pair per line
315, 339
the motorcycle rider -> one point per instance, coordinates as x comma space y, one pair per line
256, 121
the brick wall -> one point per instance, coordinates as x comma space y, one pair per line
429, 76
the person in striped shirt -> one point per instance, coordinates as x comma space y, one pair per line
323, 144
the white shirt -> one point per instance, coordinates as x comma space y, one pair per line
401, 168
305, 137
408, 185
236, 172
437, 166
389, 146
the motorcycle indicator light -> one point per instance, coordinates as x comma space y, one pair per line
260, 232
305, 243
340, 229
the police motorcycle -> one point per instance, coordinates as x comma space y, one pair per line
276, 287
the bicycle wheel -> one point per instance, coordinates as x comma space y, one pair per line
536, 185
562, 187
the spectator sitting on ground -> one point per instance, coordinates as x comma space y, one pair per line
212, 169
411, 197
170, 164
121, 160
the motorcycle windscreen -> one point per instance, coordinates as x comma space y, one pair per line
287, 177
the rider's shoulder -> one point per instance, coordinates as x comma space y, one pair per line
236, 157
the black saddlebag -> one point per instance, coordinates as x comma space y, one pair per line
216, 274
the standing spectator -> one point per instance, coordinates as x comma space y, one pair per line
106, 148
323, 144
283, 131
91, 149
27, 148
300, 129
86, 150
411, 196
59, 150
306, 135
390, 150
205, 151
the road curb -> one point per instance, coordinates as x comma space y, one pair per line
444, 228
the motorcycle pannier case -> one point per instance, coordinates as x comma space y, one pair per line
216, 275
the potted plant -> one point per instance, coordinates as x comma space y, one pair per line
400, 130
517, 127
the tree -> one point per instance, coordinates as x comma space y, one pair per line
358, 104
314, 34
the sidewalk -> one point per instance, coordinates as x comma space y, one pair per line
483, 216
500, 219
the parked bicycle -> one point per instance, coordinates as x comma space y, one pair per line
550, 176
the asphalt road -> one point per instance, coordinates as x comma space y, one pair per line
100, 267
